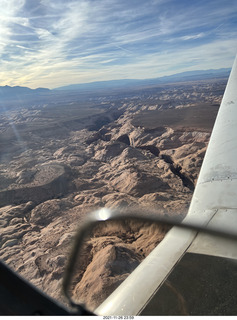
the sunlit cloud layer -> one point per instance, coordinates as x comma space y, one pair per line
54, 43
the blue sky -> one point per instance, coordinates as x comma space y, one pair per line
51, 43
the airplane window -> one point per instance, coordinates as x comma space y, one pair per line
198, 285
102, 105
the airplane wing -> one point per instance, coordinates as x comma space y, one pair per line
214, 203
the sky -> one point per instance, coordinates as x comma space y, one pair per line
52, 43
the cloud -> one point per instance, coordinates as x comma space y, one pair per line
8, 14
52, 43
186, 37
192, 37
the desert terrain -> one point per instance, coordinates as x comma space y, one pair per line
61, 160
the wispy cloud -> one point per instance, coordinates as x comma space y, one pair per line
52, 43
192, 37
186, 37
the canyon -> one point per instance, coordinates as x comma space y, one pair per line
119, 149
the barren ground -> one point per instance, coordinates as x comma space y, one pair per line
59, 162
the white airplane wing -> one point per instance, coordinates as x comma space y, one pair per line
214, 202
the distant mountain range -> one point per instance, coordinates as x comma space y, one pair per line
18, 93
13, 93
124, 83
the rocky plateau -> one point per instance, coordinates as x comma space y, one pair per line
122, 151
